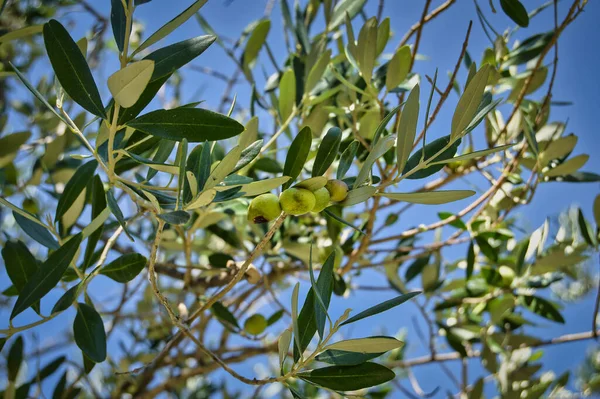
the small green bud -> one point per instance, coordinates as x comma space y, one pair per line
30, 206
322, 199
338, 190
264, 208
508, 275
297, 201
255, 324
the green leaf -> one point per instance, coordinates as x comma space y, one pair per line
352, 7
586, 229
118, 21
255, 42
113, 205
20, 264
431, 197
169, 59
339, 219
287, 94
71, 68
382, 307
176, 217
515, 11
430, 150
366, 49
283, 346
170, 26
358, 195
597, 210
125, 268
569, 166
248, 154
328, 149
407, 130
14, 359
297, 155
47, 275
542, 307
367, 345
296, 323
37, 94
193, 124
468, 104
346, 159
21, 33
316, 72
127, 84
470, 260
322, 289
66, 300
36, 231
383, 145
398, 68
345, 358
474, 155
349, 378
416, 268
98, 198
89, 334
127, 114
10, 146
76, 184
223, 314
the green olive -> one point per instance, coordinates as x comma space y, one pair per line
338, 190
322, 199
508, 275
255, 324
264, 208
297, 201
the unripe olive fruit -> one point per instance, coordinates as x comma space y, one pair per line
508, 275
255, 324
338, 190
264, 208
297, 201
322, 199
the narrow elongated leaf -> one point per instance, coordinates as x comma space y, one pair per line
176, 217
352, 7
170, 26
127, 114
193, 124
367, 345
358, 195
204, 198
20, 264
407, 130
383, 124
98, 206
47, 275
345, 358
416, 267
569, 166
127, 84
21, 33
296, 323
263, 186
74, 187
113, 205
10, 146
542, 307
89, 334
316, 72
470, 260
287, 94
339, 219
297, 155
223, 314
118, 21
248, 155
125, 268
36, 231
516, 11
346, 159
430, 150
224, 168
349, 378
474, 155
14, 358
469, 102
323, 289
66, 300
283, 345
328, 149
71, 68
431, 197
383, 145
382, 307
398, 68
169, 59
255, 42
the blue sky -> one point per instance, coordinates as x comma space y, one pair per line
577, 81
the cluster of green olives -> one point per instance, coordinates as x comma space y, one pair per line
296, 201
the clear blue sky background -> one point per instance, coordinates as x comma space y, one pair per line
577, 81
